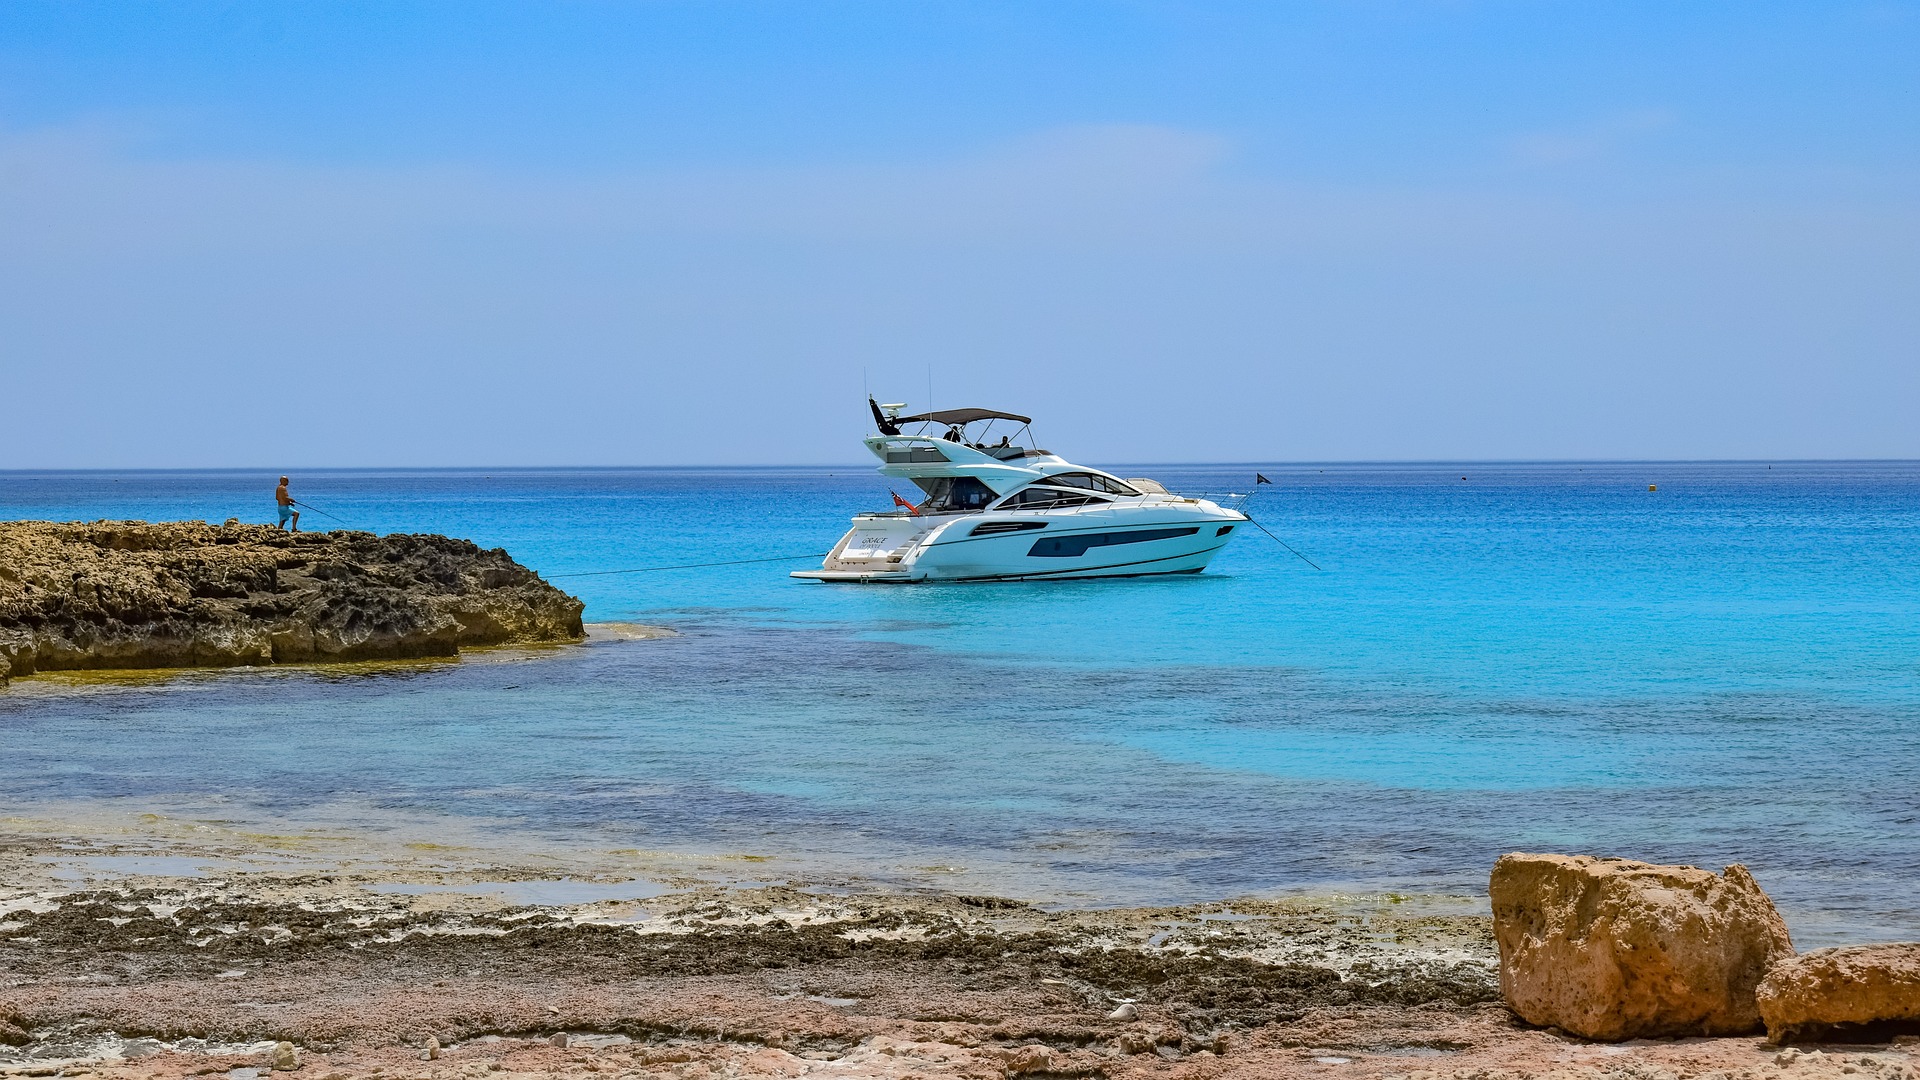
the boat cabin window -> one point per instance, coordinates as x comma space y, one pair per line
949, 494
1091, 482
1039, 497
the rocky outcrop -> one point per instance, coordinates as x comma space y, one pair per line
128, 594
1816, 994
1615, 949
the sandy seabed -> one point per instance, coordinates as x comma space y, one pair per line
163, 952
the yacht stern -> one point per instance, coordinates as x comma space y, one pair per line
877, 549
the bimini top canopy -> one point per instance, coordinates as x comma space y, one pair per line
963, 416
890, 425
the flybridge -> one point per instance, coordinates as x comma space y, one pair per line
938, 433
942, 467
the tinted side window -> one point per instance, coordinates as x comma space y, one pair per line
1090, 482
1043, 496
1074, 545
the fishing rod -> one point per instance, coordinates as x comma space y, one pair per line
688, 566
317, 510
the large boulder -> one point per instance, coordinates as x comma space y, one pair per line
1615, 949
1811, 995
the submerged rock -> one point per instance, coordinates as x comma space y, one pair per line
128, 594
1615, 949
1811, 995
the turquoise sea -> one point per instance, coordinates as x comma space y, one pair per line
1494, 657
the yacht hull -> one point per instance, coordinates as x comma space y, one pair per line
1137, 541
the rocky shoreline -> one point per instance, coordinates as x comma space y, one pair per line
154, 977
319, 974
130, 594
160, 949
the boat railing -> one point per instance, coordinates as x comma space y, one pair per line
1232, 500
899, 512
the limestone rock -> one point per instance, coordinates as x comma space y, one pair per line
285, 1057
1614, 949
127, 594
1807, 996
1135, 1042
1021, 1060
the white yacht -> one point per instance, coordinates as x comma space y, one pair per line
1007, 511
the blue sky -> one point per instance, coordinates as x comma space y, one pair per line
664, 233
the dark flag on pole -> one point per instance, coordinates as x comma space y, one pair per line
1258, 480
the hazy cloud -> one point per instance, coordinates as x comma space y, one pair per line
1139, 286
1590, 141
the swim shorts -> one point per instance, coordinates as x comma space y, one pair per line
285, 513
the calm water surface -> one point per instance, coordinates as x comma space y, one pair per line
1494, 658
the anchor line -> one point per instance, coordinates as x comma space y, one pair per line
1281, 542
1257, 481
688, 566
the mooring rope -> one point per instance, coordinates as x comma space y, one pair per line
688, 566
1283, 543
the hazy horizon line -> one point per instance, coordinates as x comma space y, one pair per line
1250, 463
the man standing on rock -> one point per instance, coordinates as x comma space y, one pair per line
286, 506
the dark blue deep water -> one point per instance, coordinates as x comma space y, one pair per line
1495, 657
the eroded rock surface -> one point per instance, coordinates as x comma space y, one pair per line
128, 594
203, 978
1616, 949
321, 964
1812, 995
